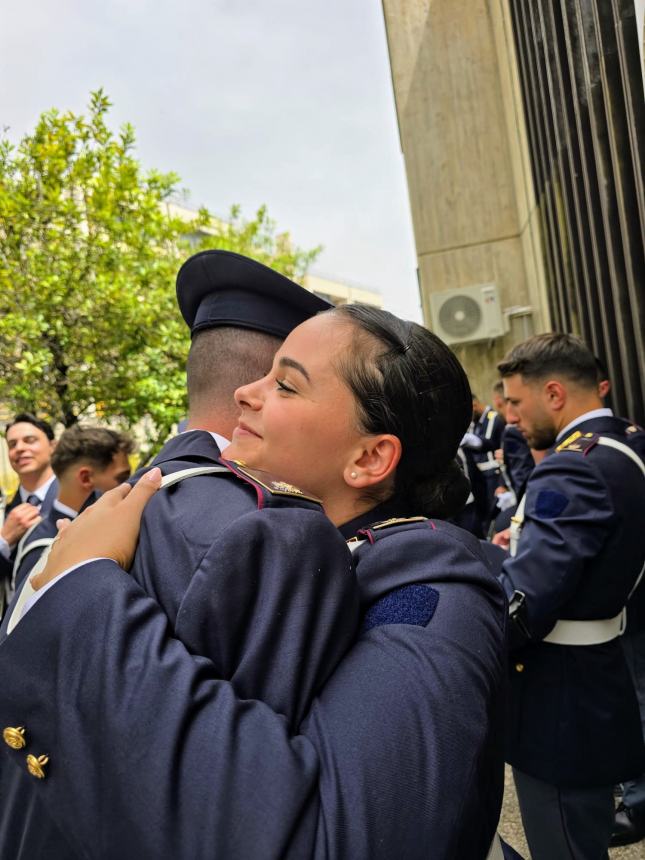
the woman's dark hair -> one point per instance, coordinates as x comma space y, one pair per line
407, 382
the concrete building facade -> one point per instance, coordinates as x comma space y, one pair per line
487, 206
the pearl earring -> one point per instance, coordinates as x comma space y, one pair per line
353, 475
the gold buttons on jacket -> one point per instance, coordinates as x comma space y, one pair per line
519, 667
15, 738
35, 765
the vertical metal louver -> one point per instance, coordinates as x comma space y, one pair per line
582, 86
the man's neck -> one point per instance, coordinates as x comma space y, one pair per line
72, 496
35, 480
223, 425
573, 411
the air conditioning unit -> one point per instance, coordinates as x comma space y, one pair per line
467, 315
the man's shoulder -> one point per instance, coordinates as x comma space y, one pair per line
435, 552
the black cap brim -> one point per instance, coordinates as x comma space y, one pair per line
221, 288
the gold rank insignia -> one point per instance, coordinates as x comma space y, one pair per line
283, 487
578, 442
15, 738
35, 765
270, 482
397, 521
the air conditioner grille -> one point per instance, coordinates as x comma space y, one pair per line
460, 316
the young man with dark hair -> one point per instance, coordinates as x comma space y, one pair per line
576, 559
30, 442
87, 461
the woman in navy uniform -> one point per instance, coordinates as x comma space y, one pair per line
144, 751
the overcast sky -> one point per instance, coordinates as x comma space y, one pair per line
283, 102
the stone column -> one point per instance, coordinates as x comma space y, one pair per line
464, 142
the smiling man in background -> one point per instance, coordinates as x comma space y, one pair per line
31, 444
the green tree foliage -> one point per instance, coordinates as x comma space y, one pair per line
89, 251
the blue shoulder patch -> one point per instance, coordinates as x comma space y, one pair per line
549, 504
412, 604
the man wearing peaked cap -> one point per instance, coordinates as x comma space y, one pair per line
221, 288
238, 311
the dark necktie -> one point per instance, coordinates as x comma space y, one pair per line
33, 499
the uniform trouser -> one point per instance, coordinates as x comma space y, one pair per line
634, 649
565, 823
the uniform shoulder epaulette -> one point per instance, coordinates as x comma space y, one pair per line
578, 442
268, 483
375, 531
396, 521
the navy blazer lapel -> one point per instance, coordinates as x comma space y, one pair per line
50, 498
15, 501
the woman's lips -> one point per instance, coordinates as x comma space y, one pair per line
244, 430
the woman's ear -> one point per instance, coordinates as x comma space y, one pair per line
374, 462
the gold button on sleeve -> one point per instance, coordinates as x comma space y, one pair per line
35, 766
519, 667
15, 738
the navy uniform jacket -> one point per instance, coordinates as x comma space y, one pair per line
6, 565
518, 459
46, 529
151, 755
489, 429
573, 717
260, 583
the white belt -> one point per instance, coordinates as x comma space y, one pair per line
587, 632
487, 466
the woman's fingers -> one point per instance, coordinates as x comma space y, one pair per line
108, 529
139, 495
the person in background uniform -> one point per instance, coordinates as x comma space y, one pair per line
573, 728
483, 438
468, 517
30, 443
86, 460
410, 716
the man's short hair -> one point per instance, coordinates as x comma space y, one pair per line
96, 446
30, 418
223, 358
601, 370
552, 355
498, 388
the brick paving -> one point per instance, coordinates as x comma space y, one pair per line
510, 827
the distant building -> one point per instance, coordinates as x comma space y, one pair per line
327, 287
342, 292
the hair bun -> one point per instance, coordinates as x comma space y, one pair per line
443, 495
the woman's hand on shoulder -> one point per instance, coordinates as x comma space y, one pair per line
107, 529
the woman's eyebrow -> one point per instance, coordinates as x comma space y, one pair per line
291, 362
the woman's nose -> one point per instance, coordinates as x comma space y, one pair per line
248, 396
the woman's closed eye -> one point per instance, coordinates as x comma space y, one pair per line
283, 387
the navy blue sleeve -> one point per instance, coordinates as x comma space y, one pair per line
274, 605
568, 516
150, 756
411, 719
